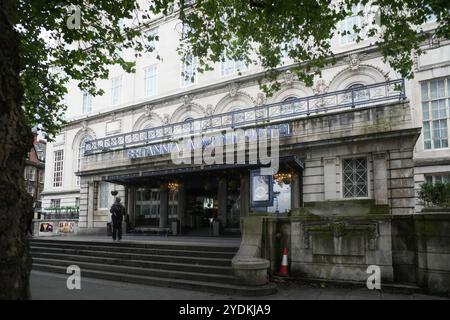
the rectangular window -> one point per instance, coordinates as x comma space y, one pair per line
77, 202
188, 73
103, 195
116, 88
152, 39
348, 25
230, 66
150, 78
442, 178
55, 203
354, 175
58, 159
87, 102
41, 176
30, 173
435, 113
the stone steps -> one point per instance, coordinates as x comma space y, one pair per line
192, 266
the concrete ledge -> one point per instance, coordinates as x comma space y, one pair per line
251, 271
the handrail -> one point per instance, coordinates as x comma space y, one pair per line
293, 108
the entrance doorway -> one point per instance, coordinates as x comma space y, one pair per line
210, 198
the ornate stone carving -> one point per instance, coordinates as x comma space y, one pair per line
233, 89
340, 229
84, 126
434, 41
320, 87
148, 109
209, 110
187, 98
289, 78
354, 61
260, 99
165, 119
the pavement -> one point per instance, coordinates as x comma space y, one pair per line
48, 286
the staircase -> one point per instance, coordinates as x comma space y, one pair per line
188, 266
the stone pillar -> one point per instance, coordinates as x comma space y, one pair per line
131, 205
222, 199
295, 191
91, 200
245, 194
329, 178
182, 206
164, 208
380, 183
84, 202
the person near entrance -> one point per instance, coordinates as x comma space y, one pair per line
117, 213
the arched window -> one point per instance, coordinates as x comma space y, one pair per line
188, 125
148, 125
81, 149
360, 94
289, 99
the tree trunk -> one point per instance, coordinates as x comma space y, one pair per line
15, 142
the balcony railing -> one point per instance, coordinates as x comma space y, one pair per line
354, 97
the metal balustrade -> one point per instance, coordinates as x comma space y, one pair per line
354, 97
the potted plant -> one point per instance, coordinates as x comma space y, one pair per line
435, 196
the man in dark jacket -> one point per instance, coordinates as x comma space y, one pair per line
117, 213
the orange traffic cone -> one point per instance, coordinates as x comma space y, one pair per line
284, 263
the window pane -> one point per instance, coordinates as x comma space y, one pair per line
150, 75
433, 89
103, 194
441, 88
424, 90
355, 178
425, 111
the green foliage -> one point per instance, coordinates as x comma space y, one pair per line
437, 194
255, 31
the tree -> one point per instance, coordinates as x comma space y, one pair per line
44, 44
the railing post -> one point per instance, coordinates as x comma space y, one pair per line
403, 97
353, 97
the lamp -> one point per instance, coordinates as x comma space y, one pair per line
283, 177
173, 186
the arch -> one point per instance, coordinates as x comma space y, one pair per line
80, 135
191, 110
294, 90
364, 74
240, 100
78, 148
147, 120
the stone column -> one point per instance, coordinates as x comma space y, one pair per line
91, 200
245, 194
131, 205
222, 199
164, 206
329, 178
84, 202
295, 191
182, 205
380, 182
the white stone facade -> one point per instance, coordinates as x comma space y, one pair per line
213, 93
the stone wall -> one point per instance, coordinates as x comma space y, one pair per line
433, 251
409, 249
